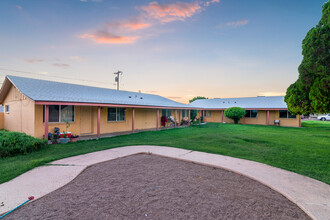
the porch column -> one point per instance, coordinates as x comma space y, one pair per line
200, 115
98, 121
222, 116
157, 120
46, 121
189, 117
175, 117
133, 116
268, 117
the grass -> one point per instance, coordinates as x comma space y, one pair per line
303, 150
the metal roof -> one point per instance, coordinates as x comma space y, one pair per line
260, 102
50, 91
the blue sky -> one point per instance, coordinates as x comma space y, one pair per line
177, 49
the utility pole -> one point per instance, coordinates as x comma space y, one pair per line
117, 78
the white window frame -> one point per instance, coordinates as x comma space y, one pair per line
5, 110
60, 115
116, 115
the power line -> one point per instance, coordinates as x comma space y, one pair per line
39, 74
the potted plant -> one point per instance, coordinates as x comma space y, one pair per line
74, 138
64, 139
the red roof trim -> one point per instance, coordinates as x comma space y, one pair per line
105, 105
219, 109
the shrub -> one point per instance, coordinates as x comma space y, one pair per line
14, 143
235, 113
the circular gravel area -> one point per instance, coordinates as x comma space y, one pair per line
146, 186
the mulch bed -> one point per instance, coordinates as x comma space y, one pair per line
152, 187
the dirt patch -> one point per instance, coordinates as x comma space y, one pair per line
152, 187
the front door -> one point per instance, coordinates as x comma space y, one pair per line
86, 120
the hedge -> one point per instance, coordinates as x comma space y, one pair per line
14, 143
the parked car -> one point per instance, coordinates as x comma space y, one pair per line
324, 117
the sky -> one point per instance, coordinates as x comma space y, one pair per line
177, 49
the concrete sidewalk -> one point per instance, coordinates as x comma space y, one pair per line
310, 195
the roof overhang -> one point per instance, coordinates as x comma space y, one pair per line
106, 105
5, 89
221, 109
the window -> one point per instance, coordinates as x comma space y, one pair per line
207, 113
6, 108
286, 114
251, 113
166, 112
67, 113
116, 114
60, 113
184, 113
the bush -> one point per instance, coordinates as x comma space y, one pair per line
14, 143
235, 113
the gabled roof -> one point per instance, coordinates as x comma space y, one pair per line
50, 91
260, 102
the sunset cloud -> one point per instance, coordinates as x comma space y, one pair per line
34, 60
171, 12
152, 14
131, 25
208, 3
104, 37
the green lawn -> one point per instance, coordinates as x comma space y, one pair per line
303, 150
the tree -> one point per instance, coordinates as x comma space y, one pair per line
311, 92
235, 113
193, 113
197, 97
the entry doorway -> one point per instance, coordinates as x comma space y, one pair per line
86, 119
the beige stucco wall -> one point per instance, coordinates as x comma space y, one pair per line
261, 119
2, 122
40, 127
290, 122
21, 112
215, 117
144, 119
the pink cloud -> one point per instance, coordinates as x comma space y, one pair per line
19, 7
208, 3
104, 37
150, 15
131, 25
171, 12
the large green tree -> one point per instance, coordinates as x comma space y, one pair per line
310, 93
197, 97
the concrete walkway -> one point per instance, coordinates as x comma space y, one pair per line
310, 195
